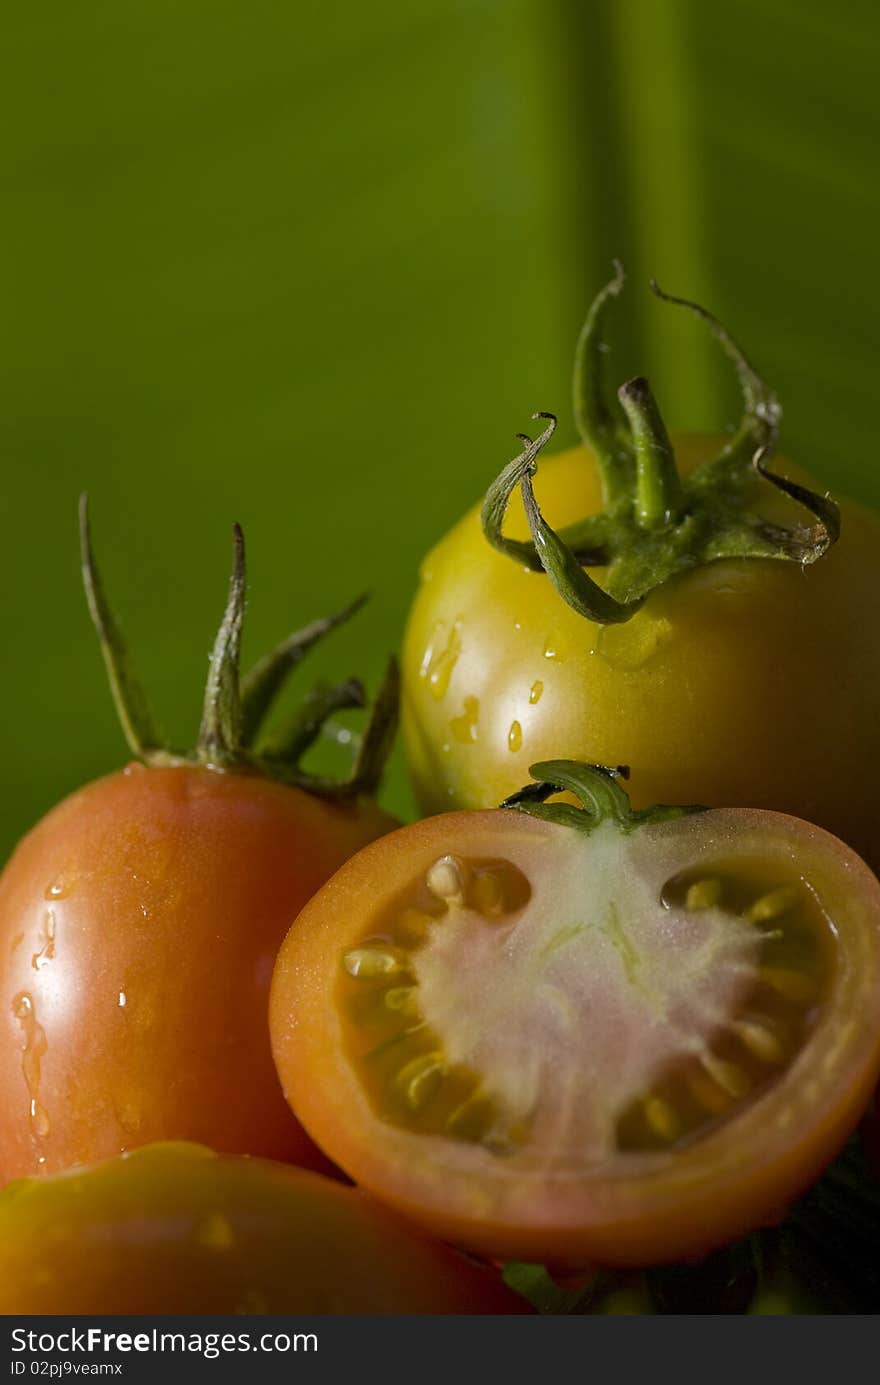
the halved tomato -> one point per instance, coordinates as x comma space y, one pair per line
578, 1036
175, 1228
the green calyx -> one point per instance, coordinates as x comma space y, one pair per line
655, 523
235, 708
600, 792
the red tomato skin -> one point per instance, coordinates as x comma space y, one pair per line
139, 923
175, 1228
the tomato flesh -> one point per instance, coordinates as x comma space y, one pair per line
175, 1228
139, 923
624, 1048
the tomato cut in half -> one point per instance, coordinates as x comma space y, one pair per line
175, 1228
585, 1035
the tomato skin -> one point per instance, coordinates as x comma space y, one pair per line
708, 1193
175, 1228
139, 922
748, 683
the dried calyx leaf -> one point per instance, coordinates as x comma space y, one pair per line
655, 523
235, 709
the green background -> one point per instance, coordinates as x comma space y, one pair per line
311, 268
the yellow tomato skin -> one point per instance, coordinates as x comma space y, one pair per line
750, 683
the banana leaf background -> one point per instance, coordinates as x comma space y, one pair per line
311, 268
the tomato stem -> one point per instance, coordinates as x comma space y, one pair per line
654, 525
219, 741
132, 708
234, 710
602, 797
658, 487
564, 569
307, 722
261, 686
597, 413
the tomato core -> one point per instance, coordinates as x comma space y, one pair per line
680, 1019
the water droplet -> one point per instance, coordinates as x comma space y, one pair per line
122, 1000
32, 1055
514, 737
550, 651
535, 691
59, 888
39, 1118
46, 951
439, 660
632, 645
215, 1232
464, 728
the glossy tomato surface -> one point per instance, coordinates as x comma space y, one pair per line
624, 1048
139, 923
175, 1228
751, 682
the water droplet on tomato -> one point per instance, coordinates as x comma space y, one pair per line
46, 951
33, 1052
464, 728
39, 1118
59, 888
514, 737
440, 659
535, 691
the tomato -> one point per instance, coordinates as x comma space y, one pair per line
570, 1036
139, 924
139, 921
746, 682
175, 1228
682, 618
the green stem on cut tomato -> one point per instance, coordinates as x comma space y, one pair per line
601, 794
655, 524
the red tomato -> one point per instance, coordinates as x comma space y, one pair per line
176, 1229
585, 1036
139, 923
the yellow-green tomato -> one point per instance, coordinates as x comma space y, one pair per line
749, 682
